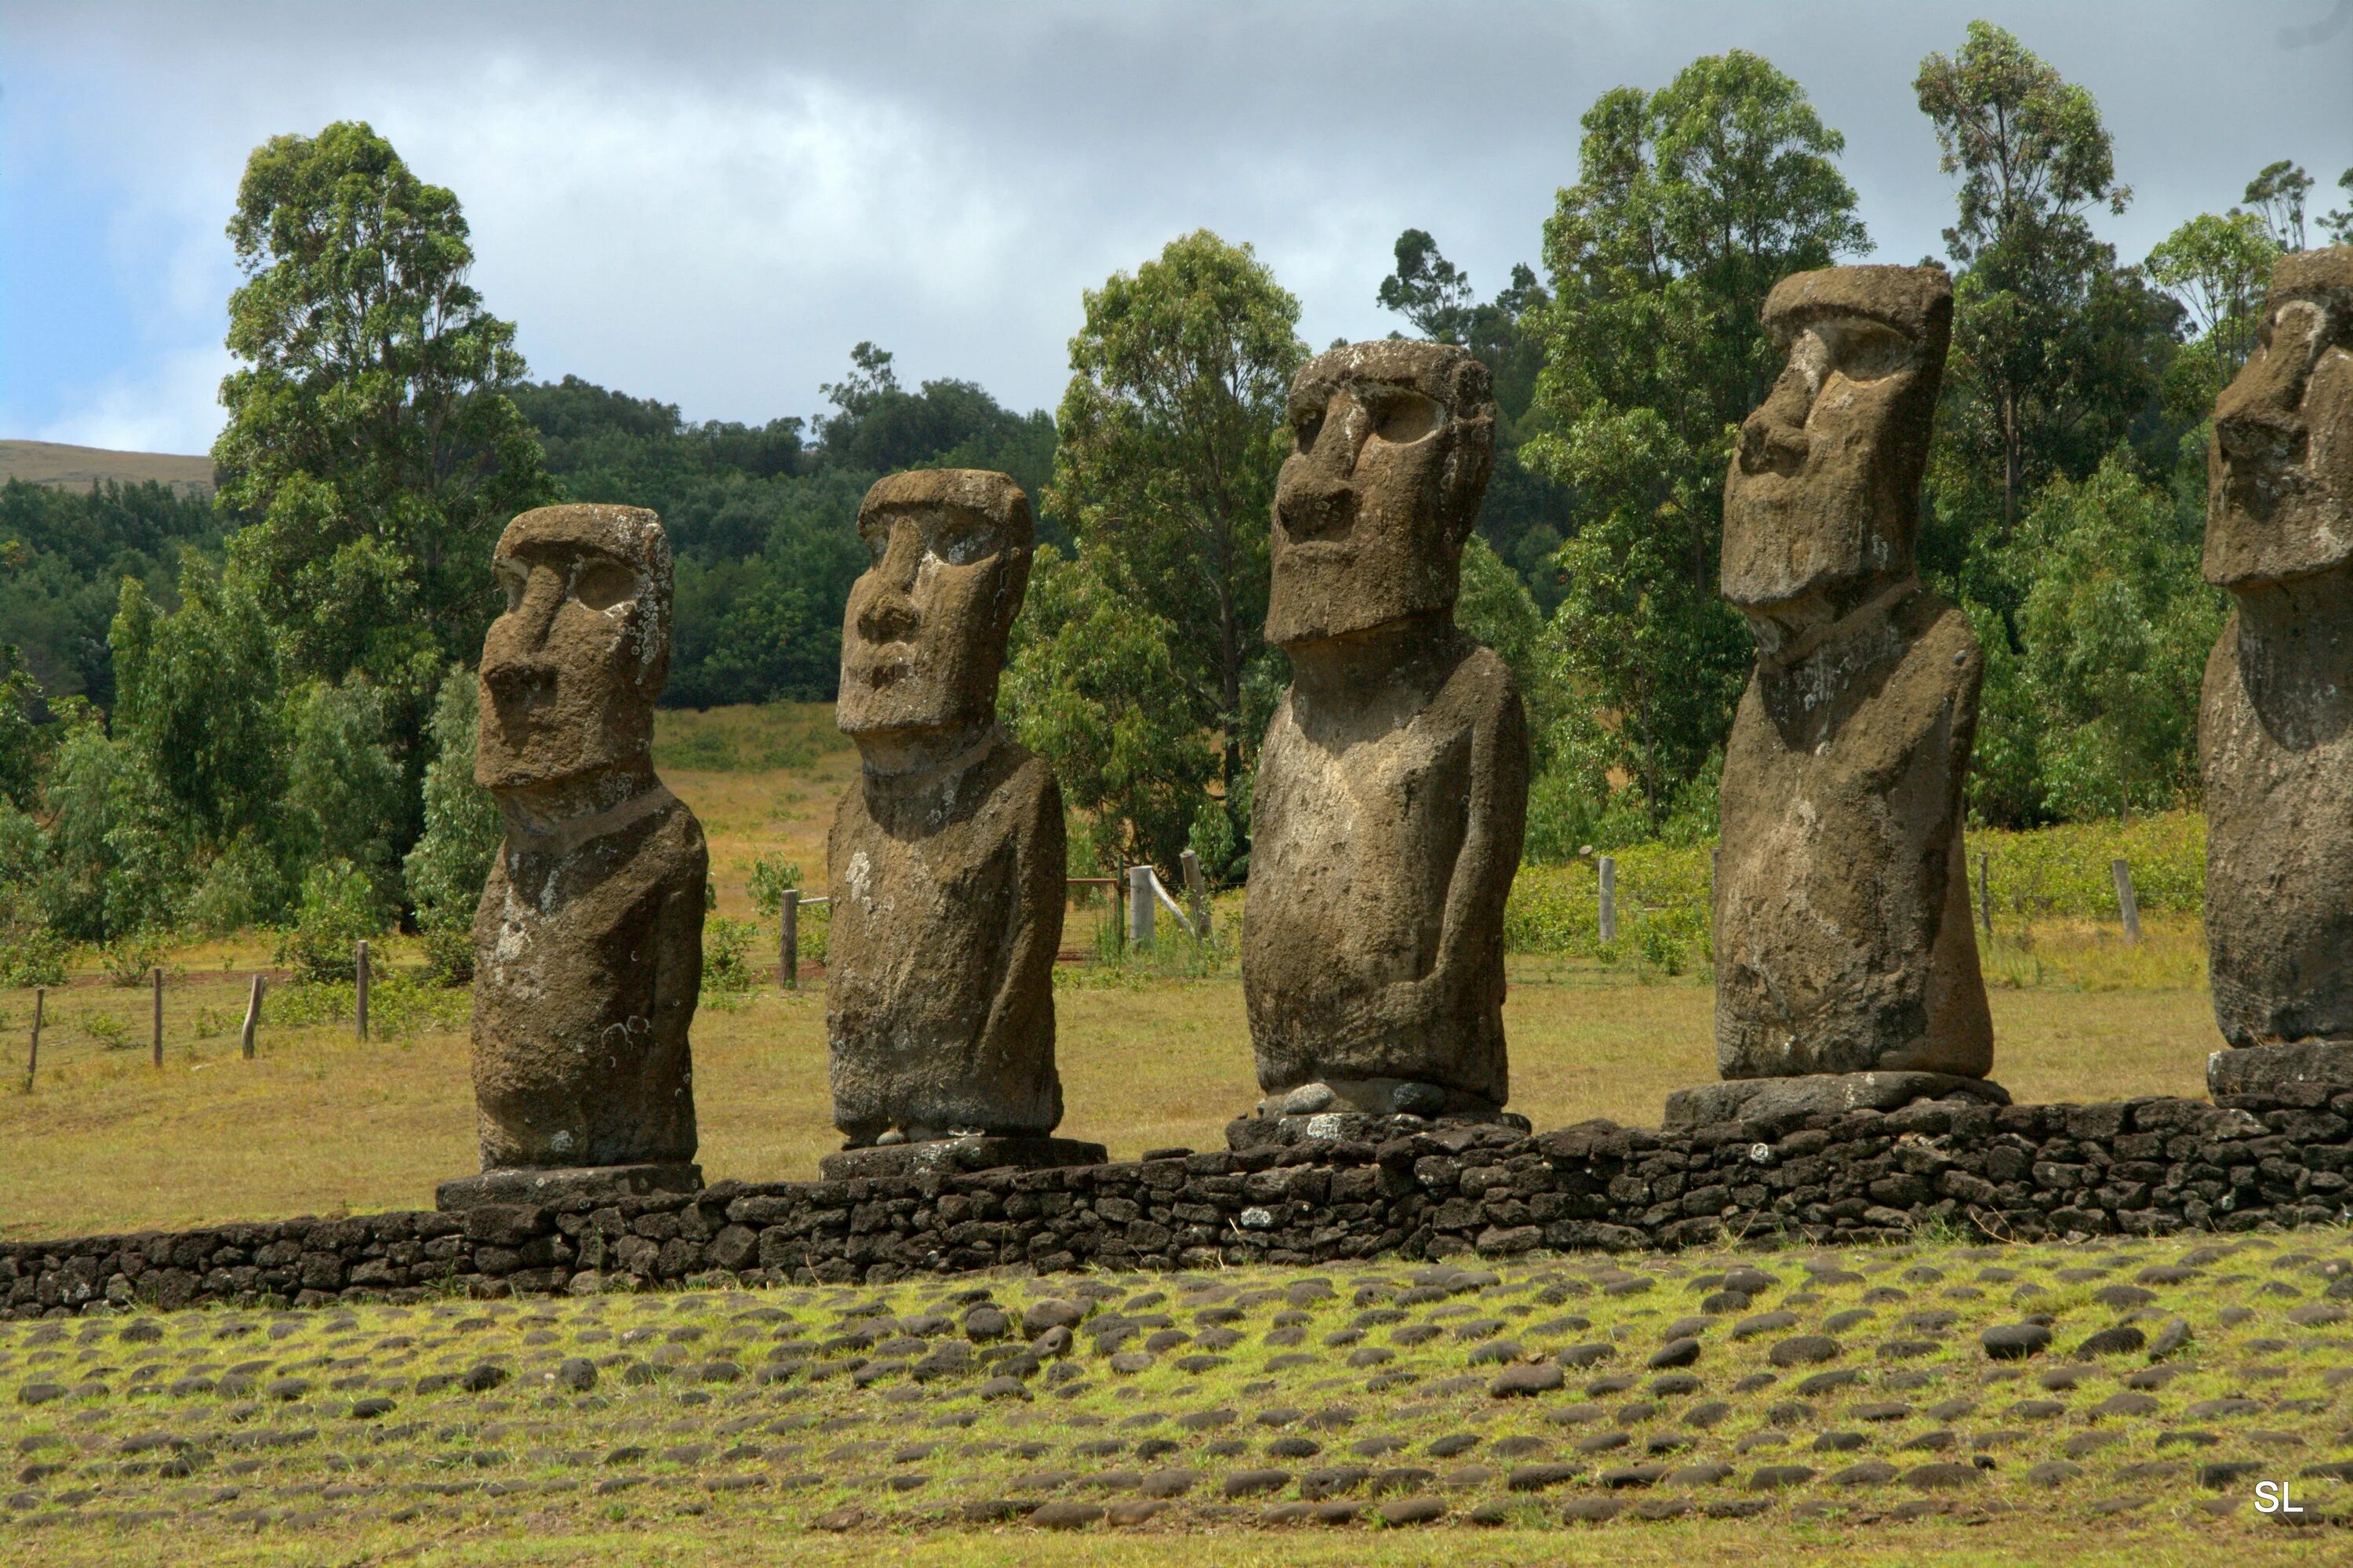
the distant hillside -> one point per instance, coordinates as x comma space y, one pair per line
51, 462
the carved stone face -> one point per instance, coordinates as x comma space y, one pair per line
924, 638
2279, 501
1823, 491
571, 669
1392, 446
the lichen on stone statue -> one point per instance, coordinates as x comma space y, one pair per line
1843, 944
946, 856
2275, 719
588, 939
1391, 792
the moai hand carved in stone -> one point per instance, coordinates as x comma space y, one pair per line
1843, 938
588, 942
1391, 792
946, 858
2275, 722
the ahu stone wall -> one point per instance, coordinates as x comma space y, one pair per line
2139, 1167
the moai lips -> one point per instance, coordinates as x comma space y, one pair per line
2275, 719
1843, 936
1391, 792
588, 939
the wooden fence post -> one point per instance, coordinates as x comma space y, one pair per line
2125, 903
252, 1021
159, 1018
1197, 893
1139, 905
789, 941
360, 993
33, 1058
1608, 868
1119, 911
1985, 893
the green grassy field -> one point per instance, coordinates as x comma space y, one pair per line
1831, 1407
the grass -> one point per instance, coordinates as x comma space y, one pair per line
672, 1459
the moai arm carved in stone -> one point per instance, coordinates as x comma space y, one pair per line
946, 855
1843, 944
588, 939
2275, 717
1392, 794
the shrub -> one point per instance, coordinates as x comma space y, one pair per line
771, 878
337, 910
128, 961
450, 955
34, 956
726, 958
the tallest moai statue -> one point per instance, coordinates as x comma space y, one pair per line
1844, 957
2275, 721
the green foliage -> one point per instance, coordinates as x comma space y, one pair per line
1691, 203
2339, 225
370, 441
1093, 685
345, 799
337, 910
130, 960
2063, 872
448, 955
2117, 628
2221, 268
726, 958
31, 955
118, 860
22, 743
62, 554
1164, 474
446, 872
771, 878
2276, 195
1663, 908
198, 698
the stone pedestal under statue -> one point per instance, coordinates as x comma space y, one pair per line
1391, 792
2276, 717
946, 856
588, 939
1846, 964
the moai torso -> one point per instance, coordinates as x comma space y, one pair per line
588, 938
947, 913
1843, 936
589, 957
1374, 946
1392, 794
2276, 717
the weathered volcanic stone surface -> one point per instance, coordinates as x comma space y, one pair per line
1392, 794
588, 939
946, 857
1777, 1102
959, 1154
2267, 1069
1843, 936
601, 1184
2276, 720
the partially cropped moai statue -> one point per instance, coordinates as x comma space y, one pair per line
2276, 724
1391, 792
1846, 967
589, 940
946, 858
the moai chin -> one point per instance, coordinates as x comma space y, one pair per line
946, 858
2275, 719
1392, 788
588, 939
1843, 938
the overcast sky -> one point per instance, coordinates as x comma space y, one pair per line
710, 203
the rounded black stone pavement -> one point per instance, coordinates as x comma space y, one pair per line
1803, 1350
2015, 1341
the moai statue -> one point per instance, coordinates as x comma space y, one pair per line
1392, 790
1846, 967
2275, 723
589, 940
946, 855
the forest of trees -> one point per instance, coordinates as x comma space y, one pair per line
259, 710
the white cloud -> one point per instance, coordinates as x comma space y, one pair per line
169, 406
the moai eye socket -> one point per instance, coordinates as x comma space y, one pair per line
1305, 426
600, 585
1405, 417
512, 575
1866, 351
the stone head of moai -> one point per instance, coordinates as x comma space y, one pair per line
1821, 504
2279, 471
570, 670
923, 639
1393, 443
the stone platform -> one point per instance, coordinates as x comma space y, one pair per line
979, 1151
555, 1186
2264, 1069
1279, 1131
1788, 1101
